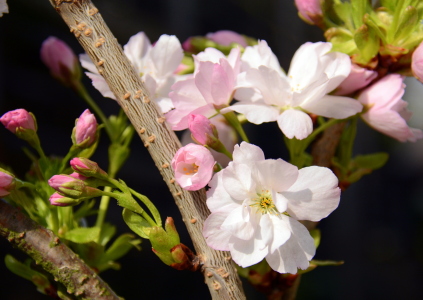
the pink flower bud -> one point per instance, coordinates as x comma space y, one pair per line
78, 176
85, 129
59, 200
227, 37
310, 11
417, 62
6, 183
193, 167
18, 118
201, 129
61, 182
87, 168
60, 59
358, 78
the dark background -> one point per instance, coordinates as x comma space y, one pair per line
377, 229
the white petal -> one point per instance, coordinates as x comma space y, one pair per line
236, 179
247, 153
216, 238
314, 195
260, 55
137, 50
255, 112
236, 225
217, 197
295, 123
87, 63
337, 107
277, 174
278, 229
246, 253
100, 84
295, 253
166, 55
337, 67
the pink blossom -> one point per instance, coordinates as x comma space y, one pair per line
6, 183
201, 128
386, 112
18, 118
417, 62
358, 78
227, 37
87, 168
86, 128
310, 11
211, 88
193, 166
78, 176
60, 59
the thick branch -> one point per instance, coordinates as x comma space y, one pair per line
55, 257
86, 23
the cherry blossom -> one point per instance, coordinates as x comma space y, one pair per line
19, 118
417, 62
266, 94
193, 166
155, 64
255, 206
358, 79
386, 112
310, 11
86, 128
210, 89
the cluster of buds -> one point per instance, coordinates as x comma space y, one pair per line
78, 186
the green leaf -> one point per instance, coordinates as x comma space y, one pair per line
408, 22
151, 207
367, 42
136, 223
120, 247
83, 235
372, 161
107, 232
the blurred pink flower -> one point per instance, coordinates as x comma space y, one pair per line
358, 78
59, 182
87, 168
55, 200
18, 118
417, 62
6, 183
193, 166
227, 37
310, 11
86, 128
386, 112
4, 9
60, 59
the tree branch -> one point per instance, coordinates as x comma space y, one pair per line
55, 257
86, 23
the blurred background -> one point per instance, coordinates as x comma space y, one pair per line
377, 229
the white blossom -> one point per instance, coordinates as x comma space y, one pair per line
255, 206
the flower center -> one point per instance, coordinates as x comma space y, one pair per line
190, 169
264, 203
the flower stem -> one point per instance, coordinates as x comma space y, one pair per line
233, 120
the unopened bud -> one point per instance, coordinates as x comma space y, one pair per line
85, 130
7, 182
87, 168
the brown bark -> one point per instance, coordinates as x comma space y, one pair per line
86, 23
55, 257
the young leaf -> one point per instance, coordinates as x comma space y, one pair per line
137, 223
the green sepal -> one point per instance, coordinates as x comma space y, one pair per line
366, 164
83, 235
316, 235
136, 223
24, 270
342, 40
161, 244
367, 43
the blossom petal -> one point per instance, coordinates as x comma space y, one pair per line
337, 107
217, 197
137, 50
278, 174
87, 63
295, 253
166, 55
101, 85
255, 112
246, 253
247, 153
237, 181
236, 225
215, 237
277, 228
295, 123
314, 195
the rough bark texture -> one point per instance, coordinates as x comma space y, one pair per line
55, 257
86, 23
